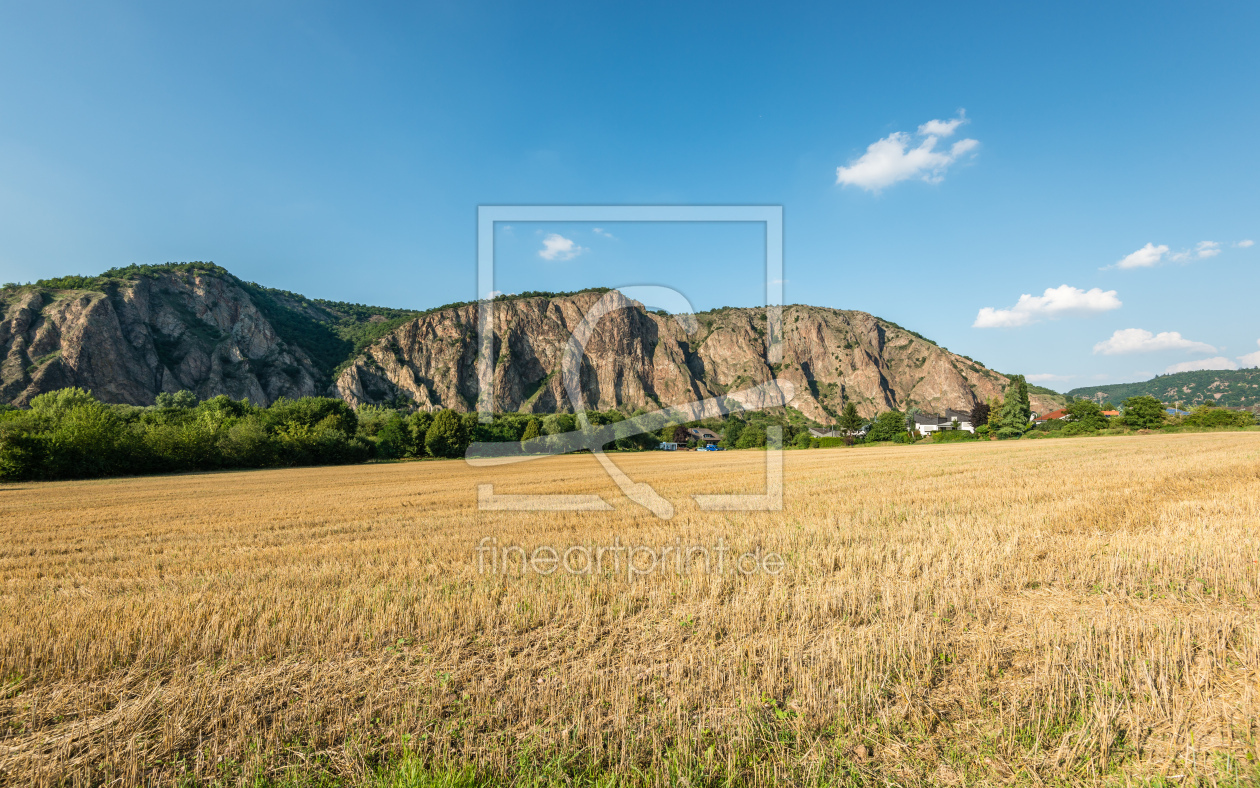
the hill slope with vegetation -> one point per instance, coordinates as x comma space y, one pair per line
1237, 388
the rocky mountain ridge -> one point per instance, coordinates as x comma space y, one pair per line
130, 334
197, 327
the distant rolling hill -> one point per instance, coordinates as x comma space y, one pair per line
1239, 388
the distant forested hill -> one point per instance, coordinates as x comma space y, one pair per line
1228, 387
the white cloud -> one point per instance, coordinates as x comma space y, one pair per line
1056, 302
1145, 257
1251, 359
1220, 362
1137, 340
892, 158
943, 128
1201, 251
1245, 243
1207, 249
557, 247
1151, 255
963, 146
603, 232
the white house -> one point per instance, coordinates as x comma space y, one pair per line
858, 433
952, 420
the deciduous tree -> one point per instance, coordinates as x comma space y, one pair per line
751, 437
1087, 413
1143, 413
980, 415
888, 426
447, 436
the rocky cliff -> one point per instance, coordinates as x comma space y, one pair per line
130, 334
640, 359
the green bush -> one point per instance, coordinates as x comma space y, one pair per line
751, 437
560, 423
828, 443
1073, 428
86, 440
21, 450
55, 403
311, 411
67, 434
1087, 413
1143, 413
1218, 418
952, 436
246, 443
889, 426
180, 399
393, 440
447, 436
418, 425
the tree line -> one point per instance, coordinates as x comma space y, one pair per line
69, 434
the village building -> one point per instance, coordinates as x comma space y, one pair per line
951, 420
704, 435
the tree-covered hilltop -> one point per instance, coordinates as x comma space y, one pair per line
1237, 388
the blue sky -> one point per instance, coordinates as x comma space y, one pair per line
341, 151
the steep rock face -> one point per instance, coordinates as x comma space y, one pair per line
639, 359
130, 338
152, 334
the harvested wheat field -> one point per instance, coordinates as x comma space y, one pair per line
1031, 612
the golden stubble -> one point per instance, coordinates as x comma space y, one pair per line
1045, 609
